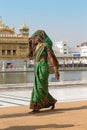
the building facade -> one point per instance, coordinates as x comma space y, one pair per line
83, 48
13, 46
61, 47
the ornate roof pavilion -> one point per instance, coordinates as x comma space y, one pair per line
4, 29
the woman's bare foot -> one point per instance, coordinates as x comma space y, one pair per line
35, 111
53, 106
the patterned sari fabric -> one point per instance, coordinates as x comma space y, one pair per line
41, 97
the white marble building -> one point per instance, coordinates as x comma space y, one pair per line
83, 48
61, 48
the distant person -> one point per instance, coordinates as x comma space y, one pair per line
41, 51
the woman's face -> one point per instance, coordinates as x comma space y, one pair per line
36, 39
33, 42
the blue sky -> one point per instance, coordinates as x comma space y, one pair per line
61, 19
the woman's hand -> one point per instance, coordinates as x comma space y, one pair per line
57, 75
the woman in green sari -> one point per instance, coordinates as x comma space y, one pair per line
41, 51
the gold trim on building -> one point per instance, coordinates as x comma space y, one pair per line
12, 45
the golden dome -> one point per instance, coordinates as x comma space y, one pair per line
24, 27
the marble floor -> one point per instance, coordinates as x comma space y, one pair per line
63, 93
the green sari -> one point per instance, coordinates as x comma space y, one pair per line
40, 97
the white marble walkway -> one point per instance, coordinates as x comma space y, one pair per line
66, 93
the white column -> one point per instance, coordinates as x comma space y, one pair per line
3, 66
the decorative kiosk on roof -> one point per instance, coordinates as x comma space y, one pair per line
24, 30
4, 29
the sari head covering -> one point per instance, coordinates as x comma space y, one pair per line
41, 34
44, 38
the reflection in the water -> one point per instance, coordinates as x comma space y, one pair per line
28, 77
